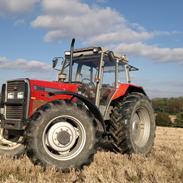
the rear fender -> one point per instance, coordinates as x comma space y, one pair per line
125, 89
122, 91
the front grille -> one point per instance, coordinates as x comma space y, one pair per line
14, 112
15, 107
17, 86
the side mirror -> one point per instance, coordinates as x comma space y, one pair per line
54, 62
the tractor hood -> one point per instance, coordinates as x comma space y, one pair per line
52, 86
40, 92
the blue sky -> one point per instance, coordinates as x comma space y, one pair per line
32, 32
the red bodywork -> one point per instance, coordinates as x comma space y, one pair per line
40, 97
123, 88
39, 92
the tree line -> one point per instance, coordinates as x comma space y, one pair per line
169, 111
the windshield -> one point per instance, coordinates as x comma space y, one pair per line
86, 70
81, 71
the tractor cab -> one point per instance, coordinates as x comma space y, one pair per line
98, 71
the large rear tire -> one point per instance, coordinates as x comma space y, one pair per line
133, 124
61, 135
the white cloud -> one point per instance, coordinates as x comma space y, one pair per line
16, 6
127, 35
65, 19
24, 65
152, 52
63, 7
88, 23
101, 25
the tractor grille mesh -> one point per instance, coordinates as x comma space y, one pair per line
15, 111
16, 86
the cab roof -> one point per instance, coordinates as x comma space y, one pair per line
91, 56
93, 52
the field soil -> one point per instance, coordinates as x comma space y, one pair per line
163, 165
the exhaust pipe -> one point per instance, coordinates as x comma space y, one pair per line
71, 59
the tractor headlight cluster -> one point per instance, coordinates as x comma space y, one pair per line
20, 95
13, 95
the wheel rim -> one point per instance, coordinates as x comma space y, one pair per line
10, 144
141, 127
64, 137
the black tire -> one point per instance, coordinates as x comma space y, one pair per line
40, 153
127, 116
12, 147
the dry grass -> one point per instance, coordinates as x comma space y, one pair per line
164, 164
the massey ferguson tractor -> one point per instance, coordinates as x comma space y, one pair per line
62, 123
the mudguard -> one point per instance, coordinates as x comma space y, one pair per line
120, 92
92, 107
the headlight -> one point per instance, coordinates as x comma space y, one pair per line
20, 95
11, 95
67, 53
96, 50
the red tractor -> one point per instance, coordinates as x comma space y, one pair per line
61, 123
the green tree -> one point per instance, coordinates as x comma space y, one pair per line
171, 105
179, 120
160, 104
163, 119
175, 105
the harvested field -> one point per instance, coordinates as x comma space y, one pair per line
164, 164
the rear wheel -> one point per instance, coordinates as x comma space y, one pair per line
133, 124
61, 135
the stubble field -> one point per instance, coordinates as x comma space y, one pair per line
164, 164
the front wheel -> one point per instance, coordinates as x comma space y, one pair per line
61, 135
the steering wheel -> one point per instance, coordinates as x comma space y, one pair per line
90, 83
